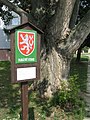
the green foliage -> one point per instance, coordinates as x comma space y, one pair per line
9, 94
41, 9
85, 49
68, 97
80, 69
65, 105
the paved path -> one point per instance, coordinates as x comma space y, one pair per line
86, 119
87, 95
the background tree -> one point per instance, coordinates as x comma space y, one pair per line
84, 7
57, 18
86, 43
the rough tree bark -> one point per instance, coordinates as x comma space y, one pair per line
59, 44
57, 64
74, 14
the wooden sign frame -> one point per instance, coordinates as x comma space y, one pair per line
16, 69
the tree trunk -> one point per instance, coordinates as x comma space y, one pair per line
59, 49
55, 64
54, 68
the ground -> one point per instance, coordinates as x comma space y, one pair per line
39, 109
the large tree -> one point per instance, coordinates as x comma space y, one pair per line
62, 37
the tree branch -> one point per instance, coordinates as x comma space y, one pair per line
14, 8
58, 25
78, 35
74, 15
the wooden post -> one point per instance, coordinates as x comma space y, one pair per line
24, 100
24, 85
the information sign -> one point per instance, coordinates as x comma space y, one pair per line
25, 52
25, 46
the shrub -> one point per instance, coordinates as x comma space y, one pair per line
68, 97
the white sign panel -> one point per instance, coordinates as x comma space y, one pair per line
26, 73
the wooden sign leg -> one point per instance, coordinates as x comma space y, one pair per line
24, 100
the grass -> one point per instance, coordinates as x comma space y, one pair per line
39, 109
9, 94
80, 70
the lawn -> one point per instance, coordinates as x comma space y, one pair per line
39, 109
80, 70
9, 94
